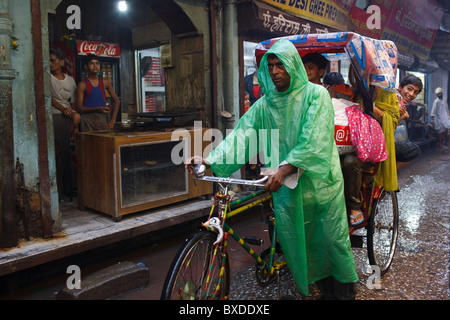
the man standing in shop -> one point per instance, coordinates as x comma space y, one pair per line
252, 87
63, 91
65, 120
91, 99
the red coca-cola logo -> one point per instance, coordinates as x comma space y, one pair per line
90, 47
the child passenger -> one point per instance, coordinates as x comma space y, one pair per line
335, 84
315, 66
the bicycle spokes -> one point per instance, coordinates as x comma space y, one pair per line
200, 273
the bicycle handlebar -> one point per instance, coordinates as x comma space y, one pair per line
254, 183
200, 170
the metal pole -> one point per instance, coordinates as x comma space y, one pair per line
8, 216
230, 62
213, 24
47, 223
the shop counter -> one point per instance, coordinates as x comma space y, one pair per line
120, 173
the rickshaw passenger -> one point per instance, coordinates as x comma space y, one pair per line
335, 84
406, 150
386, 109
315, 66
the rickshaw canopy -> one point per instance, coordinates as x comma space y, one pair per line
375, 61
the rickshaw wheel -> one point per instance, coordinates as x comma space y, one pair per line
382, 231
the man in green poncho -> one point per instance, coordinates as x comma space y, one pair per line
311, 214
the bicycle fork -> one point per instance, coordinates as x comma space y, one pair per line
222, 268
222, 242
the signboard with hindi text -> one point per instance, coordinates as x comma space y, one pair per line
326, 12
410, 24
413, 25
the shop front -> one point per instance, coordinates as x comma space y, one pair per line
441, 54
156, 54
259, 21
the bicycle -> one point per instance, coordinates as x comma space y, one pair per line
200, 270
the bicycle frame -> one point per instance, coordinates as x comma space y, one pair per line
229, 231
222, 200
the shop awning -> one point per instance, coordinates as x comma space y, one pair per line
425, 65
405, 59
441, 49
262, 21
332, 13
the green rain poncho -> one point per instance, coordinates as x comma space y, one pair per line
311, 219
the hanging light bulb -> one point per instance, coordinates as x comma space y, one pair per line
123, 6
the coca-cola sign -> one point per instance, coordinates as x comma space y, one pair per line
101, 49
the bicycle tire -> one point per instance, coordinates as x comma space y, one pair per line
187, 275
382, 232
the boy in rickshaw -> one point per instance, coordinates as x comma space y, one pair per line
315, 66
372, 76
409, 122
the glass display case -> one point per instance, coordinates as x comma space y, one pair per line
148, 174
120, 173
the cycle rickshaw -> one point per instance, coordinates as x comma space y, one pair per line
201, 268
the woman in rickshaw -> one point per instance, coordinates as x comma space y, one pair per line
386, 109
384, 105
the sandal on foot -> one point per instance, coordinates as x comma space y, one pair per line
355, 223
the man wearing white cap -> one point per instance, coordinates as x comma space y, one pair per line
440, 118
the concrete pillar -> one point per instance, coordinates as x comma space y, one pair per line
8, 216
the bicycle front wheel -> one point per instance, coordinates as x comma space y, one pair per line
200, 271
382, 231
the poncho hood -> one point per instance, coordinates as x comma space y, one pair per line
288, 55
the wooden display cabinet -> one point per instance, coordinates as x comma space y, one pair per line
126, 172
